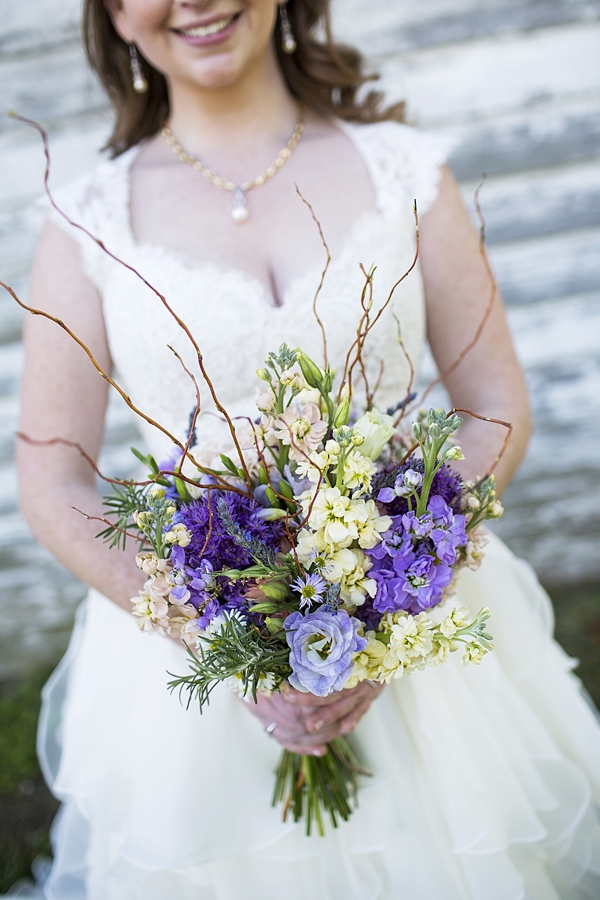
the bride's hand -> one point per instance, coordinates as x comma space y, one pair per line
305, 723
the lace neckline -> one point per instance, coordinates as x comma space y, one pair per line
297, 288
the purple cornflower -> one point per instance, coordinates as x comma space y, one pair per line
311, 589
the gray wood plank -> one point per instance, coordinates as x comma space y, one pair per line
552, 266
552, 135
539, 202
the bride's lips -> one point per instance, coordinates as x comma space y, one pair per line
210, 31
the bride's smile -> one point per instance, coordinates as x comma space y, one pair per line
209, 45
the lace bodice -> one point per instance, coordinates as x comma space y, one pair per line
228, 310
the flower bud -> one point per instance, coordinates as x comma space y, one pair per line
342, 415
453, 453
417, 431
263, 374
312, 373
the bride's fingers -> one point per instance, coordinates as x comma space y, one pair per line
346, 702
349, 722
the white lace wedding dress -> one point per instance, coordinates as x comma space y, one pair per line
483, 779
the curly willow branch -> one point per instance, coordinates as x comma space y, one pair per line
509, 431
487, 312
362, 335
323, 274
151, 287
125, 482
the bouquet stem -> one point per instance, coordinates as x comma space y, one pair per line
311, 787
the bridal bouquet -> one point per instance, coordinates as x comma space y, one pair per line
319, 550
313, 553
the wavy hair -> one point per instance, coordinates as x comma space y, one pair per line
325, 76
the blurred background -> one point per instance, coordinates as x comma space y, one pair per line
518, 83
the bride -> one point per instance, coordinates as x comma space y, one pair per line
482, 780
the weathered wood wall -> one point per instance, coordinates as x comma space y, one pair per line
518, 81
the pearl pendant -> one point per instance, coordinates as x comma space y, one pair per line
240, 212
140, 85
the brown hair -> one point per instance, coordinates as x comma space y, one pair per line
323, 75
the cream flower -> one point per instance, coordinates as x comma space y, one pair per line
261, 433
265, 400
349, 568
178, 534
152, 613
358, 471
339, 520
478, 539
301, 428
376, 429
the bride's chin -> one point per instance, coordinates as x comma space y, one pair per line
217, 74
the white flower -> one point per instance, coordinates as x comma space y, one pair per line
301, 428
309, 395
473, 654
453, 453
339, 521
265, 399
376, 429
496, 509
458, 618
148, 563
411, 638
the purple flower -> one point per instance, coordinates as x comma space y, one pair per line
420, 526
321, 647
445, 482
212, 544
405, 484
422, 584
449, 532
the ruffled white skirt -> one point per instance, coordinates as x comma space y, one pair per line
483, 778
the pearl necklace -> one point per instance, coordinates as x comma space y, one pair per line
240, 212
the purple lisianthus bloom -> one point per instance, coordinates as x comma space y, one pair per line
321, 646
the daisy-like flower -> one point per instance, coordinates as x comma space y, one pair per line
311, 589
301, 428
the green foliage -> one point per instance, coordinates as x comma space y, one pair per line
124, 501
234, 651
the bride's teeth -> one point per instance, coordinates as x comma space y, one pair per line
205, 30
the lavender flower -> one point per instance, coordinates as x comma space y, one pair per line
321, 648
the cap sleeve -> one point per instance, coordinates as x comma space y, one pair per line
404, 163
92, 206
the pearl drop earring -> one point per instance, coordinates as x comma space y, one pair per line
288, 41
140, 85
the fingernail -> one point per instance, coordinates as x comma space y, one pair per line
316, 726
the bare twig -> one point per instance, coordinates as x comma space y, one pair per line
323, 274
180, 322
